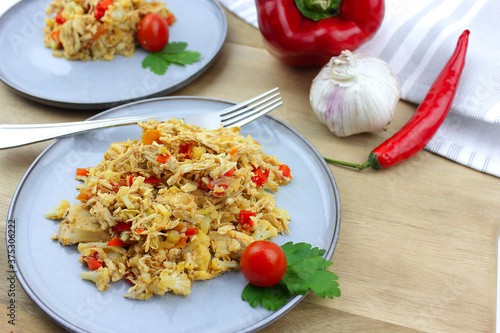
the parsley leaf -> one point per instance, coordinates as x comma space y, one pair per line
272, 298
155, 63
175, 52
305, 271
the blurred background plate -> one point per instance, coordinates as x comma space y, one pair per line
28, 67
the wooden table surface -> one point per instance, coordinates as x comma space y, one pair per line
418, 243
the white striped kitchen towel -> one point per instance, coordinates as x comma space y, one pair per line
416, 39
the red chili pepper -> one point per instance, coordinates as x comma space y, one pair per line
116, 242
311, 32
260, 176
424, 123
244, 218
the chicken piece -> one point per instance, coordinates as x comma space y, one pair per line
78, 226
230, 244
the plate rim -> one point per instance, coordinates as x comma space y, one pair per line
266, 321
111, 104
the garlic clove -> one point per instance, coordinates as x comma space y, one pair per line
355, 93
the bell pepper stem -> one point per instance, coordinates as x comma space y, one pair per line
317, 5
318, 9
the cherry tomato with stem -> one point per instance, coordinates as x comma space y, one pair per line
263, 263
153, 32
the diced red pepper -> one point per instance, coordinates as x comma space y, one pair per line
153, 180
116, 186
181, 243
212, 186
122, 226
55, 35
186, 150
230, 172
93, 263
101, 8
244, 218
85, 195
82, 172
170, 19
116, 242
260, 176
285, 170
130, 180
162, 158
101, 30
59, 19
190, 231
138, 231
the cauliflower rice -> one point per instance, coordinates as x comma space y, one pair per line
97, 29
183, 201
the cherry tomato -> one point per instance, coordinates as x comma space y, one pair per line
153, 32
263, 263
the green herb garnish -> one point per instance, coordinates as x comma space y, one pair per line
175, 52
305, 271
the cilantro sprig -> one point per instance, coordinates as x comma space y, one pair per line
305, 271
174, 52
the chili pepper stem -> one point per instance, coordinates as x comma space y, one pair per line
365, 165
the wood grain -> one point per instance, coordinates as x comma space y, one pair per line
417, 247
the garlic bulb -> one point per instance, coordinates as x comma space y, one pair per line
355, 93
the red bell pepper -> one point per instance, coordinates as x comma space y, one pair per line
190, 231
116, 242
82, 172
311, 32
244, 218
260, 177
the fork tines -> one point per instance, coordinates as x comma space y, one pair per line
247, 111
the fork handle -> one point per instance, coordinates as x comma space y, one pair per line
15, 135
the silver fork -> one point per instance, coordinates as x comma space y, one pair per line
15, 135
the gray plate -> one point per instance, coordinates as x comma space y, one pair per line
28, 67
50, 273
